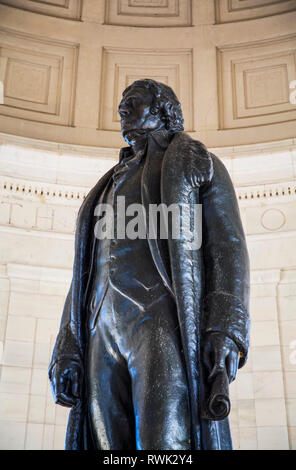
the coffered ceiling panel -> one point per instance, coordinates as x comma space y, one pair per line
254, 83
62, 80
123, 66
151, 13
61, 8
39, 78
238, 10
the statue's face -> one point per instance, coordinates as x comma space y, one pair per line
135, 112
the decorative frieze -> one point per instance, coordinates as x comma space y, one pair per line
74, 196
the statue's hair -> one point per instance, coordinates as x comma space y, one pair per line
165, 102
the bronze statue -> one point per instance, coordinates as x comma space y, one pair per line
152, 332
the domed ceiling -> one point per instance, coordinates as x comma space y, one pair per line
65, 63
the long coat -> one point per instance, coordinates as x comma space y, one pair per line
210, 285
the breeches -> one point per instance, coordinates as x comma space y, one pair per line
136, 380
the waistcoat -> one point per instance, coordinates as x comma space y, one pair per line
124, 263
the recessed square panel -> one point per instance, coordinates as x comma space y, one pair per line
265, 86
262, 86
153, 13
39, 77
254, 83
149, 3
149, 7
34, 86
70, 9
240, 10
121, 67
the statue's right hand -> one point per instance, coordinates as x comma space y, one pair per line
66, 380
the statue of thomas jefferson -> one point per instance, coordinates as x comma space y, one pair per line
152, 332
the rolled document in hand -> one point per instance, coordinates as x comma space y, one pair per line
217, 402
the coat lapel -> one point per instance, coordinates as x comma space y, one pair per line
83, 238
150, 189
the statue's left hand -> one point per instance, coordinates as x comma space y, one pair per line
220, 352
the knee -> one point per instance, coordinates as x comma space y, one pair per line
164, 435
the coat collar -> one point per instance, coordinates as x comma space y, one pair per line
162, 138
150, 191
125, 152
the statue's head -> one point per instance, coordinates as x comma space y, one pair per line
146, 106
